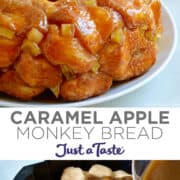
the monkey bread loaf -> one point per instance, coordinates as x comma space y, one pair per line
75, 48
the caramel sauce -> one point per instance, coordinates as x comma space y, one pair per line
162, 170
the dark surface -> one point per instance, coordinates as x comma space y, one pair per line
52, 170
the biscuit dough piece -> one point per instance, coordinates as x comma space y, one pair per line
12, 84
100, 171
85, 86
72, 173
37, 72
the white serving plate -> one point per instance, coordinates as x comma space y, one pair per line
167, 47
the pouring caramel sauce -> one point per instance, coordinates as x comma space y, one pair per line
162, 170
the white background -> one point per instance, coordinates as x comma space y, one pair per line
24, 149
164, 90
27, 149
11, 148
